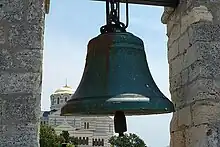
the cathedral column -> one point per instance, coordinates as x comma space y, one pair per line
21, 51
193, 30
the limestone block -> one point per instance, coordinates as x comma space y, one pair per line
175, 34
184, 117
204, 31
20, 135
5, 59
207, 96
185, 76
174, 20
23, 36
202, 58
166, 15
204, 69
198, 87
173, 51
35, 11
202, 136
190, 56
176, 65
214, 7
175, 82
2, 35
195, 69
178, 139
20, 82
184, 43
20, 108
174, 122
170, 25
178, 97
28, 60
12, 11
171, 139
206, 112
196, 14
179, 80
21, 60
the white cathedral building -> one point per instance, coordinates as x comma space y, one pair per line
90, 131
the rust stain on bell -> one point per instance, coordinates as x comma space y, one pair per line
115, 79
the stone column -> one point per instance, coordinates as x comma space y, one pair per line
21, 50
193, 30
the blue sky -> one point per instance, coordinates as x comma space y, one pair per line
69, 27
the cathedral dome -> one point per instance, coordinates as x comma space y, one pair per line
64, 90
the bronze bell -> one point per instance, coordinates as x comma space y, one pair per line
117, 78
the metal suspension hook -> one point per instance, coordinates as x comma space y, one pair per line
127, 14
113, 23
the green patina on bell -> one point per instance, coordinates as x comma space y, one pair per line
117, 78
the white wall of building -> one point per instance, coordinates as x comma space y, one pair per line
93, 128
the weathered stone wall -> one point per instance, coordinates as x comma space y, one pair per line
194, 66
21, 50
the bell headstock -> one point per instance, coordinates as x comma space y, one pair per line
166, 3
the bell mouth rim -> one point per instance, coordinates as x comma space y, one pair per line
127, 113
104, 106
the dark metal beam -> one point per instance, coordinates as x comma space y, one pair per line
166, 3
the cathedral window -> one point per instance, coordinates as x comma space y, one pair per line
83, 141
102, 143
58, 100
65, 99
87, 140
98, 142
95, 142
86, 125
80, 140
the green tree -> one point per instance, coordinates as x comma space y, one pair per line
48, 137
65, 135
70, 145
61, 139
73, 140
128, 140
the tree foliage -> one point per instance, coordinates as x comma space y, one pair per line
128, 140
65, 135
61, 139
73, 140
70, 145
48, 137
